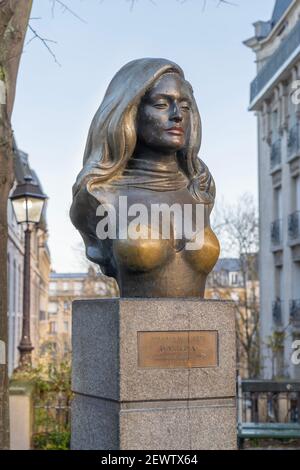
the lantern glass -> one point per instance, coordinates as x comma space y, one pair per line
28, 209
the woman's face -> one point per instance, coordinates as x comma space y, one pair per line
164, 117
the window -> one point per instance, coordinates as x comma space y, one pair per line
15, 288
77, 287
20, 289
53, 327
295, 282
66, 326
274, 125
65, 286
52, 308
278, 204
295, 194
279, 288
234, 278
291, 109
19, 326
43, 315
101, 288
52, 286
66, 305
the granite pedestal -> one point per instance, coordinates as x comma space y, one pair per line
153, 374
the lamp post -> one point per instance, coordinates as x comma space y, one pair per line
28, 202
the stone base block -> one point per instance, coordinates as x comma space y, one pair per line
153, 374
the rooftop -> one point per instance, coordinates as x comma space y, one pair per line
282, 59
228, 264
54, 276
279, 9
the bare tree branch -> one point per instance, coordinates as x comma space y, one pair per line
67, 9
227, 2
44, 41
220, 2
238, 225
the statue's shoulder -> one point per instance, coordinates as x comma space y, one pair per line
104, 193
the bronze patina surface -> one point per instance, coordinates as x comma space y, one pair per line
143, 145
177, 349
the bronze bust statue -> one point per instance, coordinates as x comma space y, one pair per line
143, 147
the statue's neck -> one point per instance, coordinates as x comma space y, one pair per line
159, 158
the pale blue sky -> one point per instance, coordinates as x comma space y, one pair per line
54, 105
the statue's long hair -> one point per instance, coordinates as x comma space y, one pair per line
112, 136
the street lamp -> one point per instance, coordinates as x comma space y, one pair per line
28, 202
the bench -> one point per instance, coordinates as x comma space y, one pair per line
267, 431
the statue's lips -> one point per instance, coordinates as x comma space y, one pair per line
175, 131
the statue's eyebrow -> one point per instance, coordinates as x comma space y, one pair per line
156, 96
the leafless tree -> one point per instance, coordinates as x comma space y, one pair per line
237, 228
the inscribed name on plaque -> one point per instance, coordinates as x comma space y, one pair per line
177, 349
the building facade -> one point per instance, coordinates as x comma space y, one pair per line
275, 100
226, 275
55, 323
40, 268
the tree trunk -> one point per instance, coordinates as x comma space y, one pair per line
14, 17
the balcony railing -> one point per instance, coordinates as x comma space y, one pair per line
294, 141
294, 225
295, 312
275, 154
276, 233
277, 312
276, 61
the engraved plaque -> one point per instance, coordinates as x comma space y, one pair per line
177, 349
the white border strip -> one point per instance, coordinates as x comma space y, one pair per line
2, 353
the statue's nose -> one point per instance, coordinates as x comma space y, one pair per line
177, 118
176, 114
